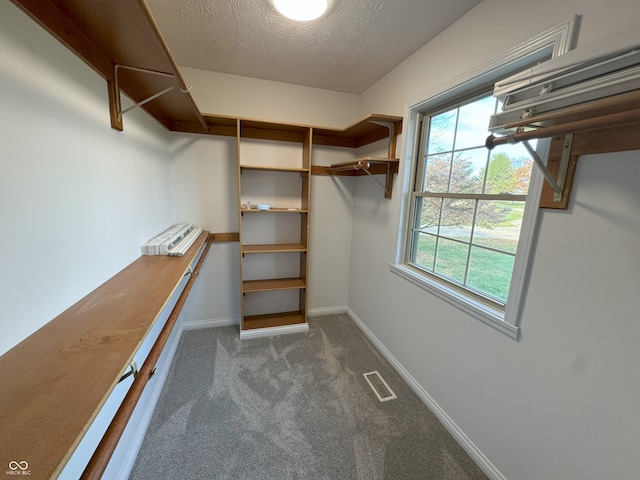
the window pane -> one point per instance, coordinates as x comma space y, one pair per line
441, 132
521, 162
429, 211
509, 170
451, 259
436, 175
490, 272
425, 250
502, 235
457, 218
473, 123
467, 171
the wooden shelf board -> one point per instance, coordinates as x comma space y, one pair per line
265, 130
272, 284
57, 379
221, 125
274, 248
357, 135
273, 320
121, 32
274, 210
274, 169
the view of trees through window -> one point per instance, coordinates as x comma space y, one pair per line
469, 202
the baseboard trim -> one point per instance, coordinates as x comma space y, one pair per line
320, 312
210, 323
474, 452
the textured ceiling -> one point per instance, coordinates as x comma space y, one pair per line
356, 43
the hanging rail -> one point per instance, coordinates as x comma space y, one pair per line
368, 166
568, 129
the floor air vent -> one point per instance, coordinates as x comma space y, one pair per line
379, 386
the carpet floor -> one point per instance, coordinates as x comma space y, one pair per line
292, 407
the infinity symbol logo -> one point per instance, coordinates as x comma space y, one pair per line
13, 465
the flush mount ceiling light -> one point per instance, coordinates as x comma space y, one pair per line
301, 10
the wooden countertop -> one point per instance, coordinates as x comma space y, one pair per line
54, 382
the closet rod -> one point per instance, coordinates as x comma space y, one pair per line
358, 165
594, 123
363, 165
100, 459
567, 129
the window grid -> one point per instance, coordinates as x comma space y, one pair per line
433, 260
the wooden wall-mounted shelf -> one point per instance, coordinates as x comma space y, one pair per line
57, 379
364, 166
364, 132
357, 135
121, 32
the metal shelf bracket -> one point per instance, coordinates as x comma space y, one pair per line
118, 106
556, 184
391, 147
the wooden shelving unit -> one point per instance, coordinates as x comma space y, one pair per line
272, 178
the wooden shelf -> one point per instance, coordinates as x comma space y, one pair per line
273, 320
359, 134
121, 32
57, 379
274, 248
272, 285
274, 210
124, 32
274, 169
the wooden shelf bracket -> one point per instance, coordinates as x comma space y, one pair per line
558, 184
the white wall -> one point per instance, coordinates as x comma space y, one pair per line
236, 96
77, 198
563, 402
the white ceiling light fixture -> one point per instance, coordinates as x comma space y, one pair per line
301, 10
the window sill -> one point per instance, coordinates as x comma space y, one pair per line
492, 317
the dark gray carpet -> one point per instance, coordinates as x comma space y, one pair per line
292, 407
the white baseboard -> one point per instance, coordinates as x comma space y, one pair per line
319, 312
478, 457
210, 323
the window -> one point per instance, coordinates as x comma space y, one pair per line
468, 202
468, 224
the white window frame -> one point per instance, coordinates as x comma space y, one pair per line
556, 40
